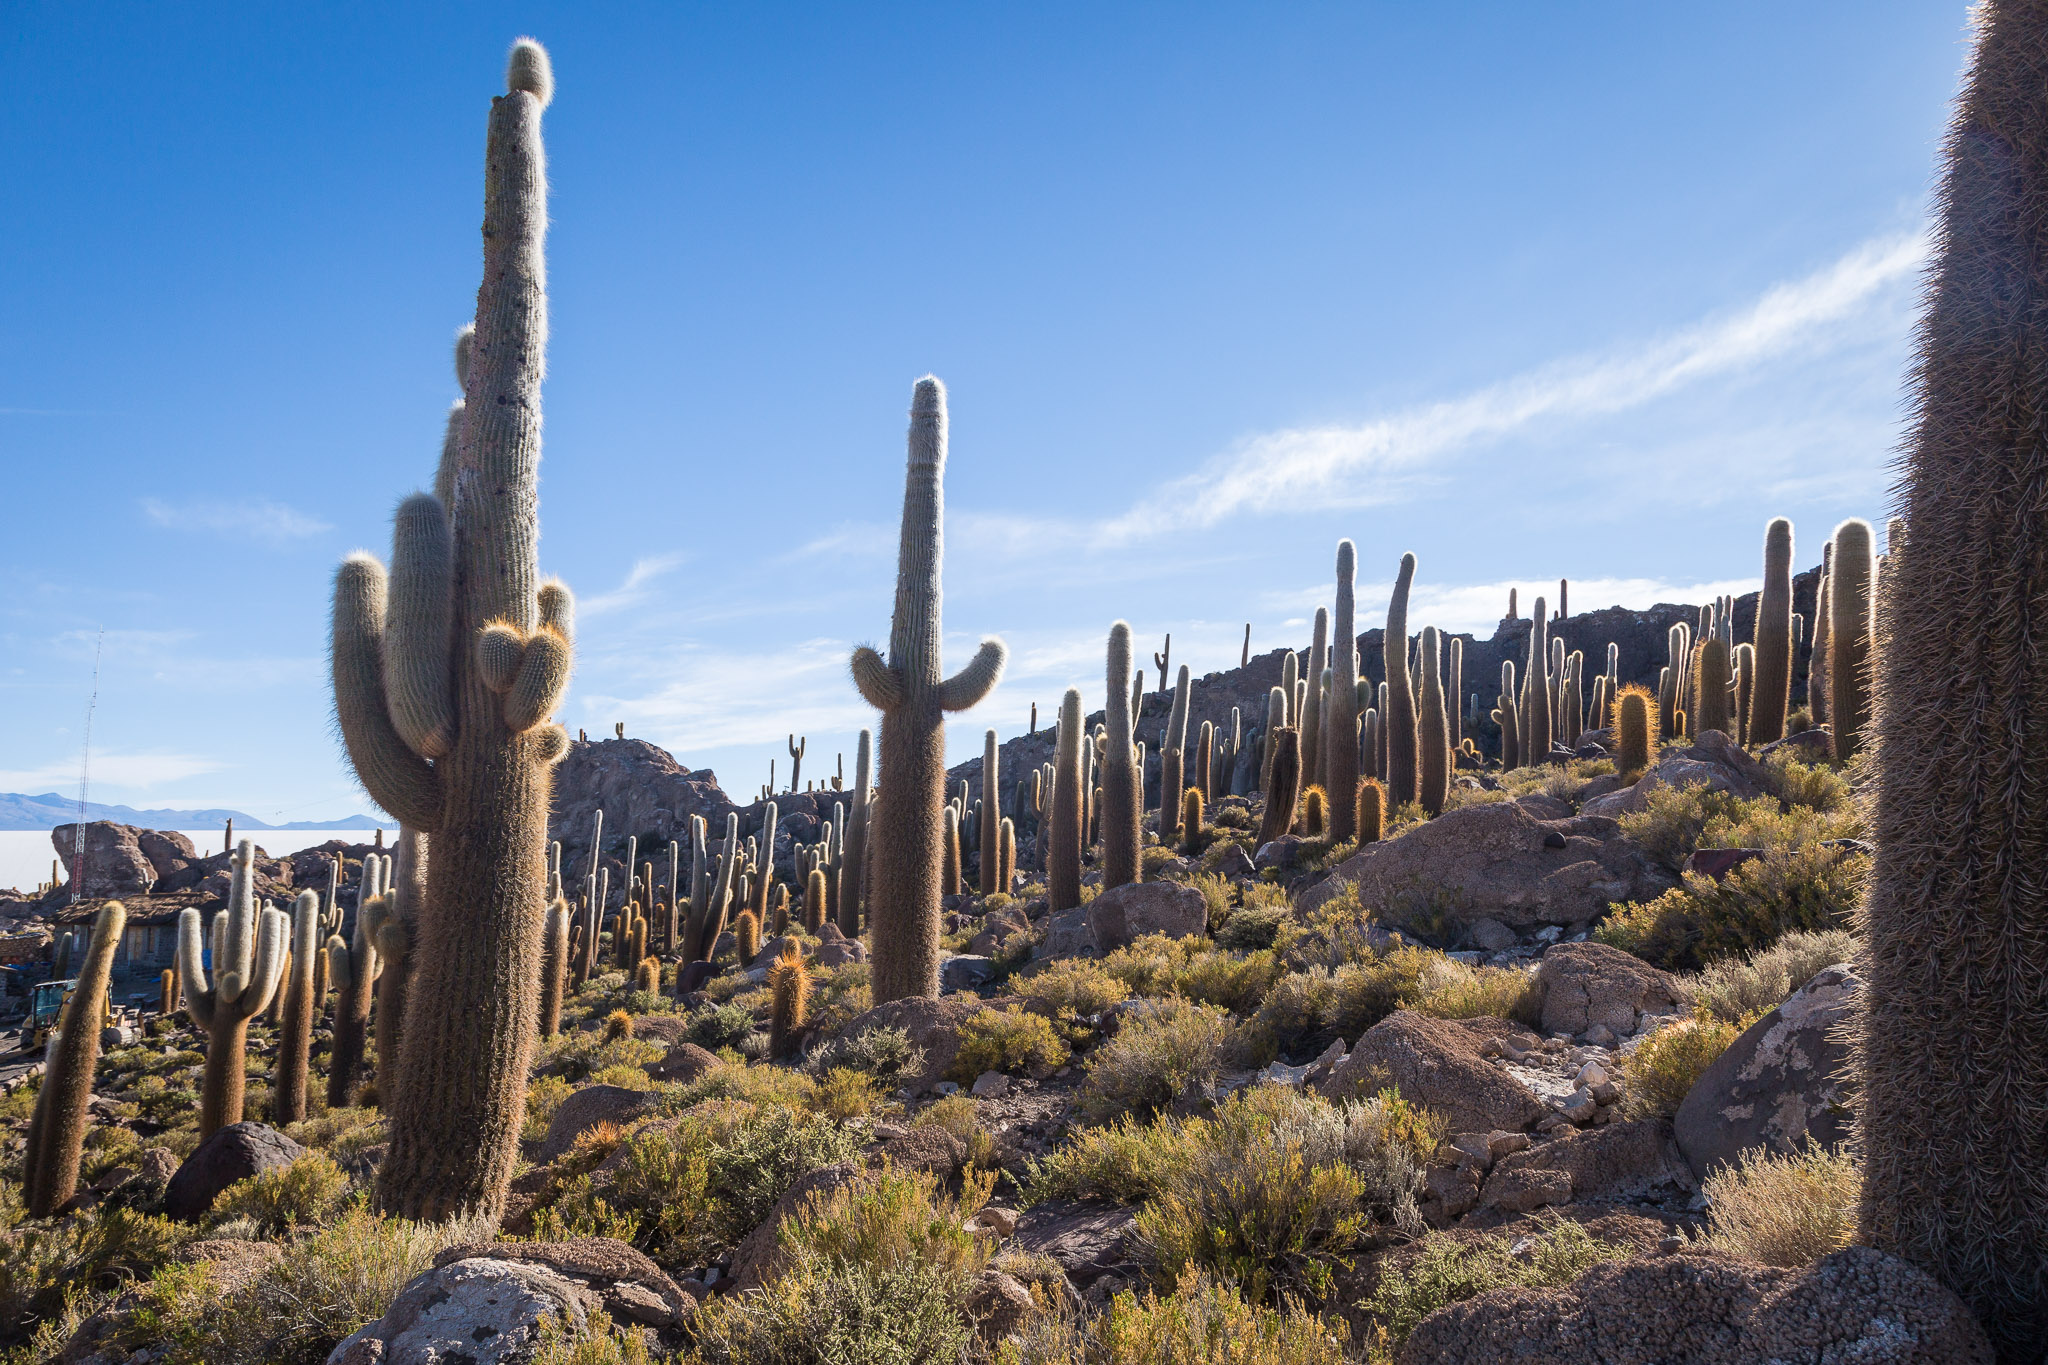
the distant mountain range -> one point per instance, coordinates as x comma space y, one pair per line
18, 812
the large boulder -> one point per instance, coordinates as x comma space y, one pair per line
1067, 934
633, 1287
755, 1259
1497, 861
1618, 1161
1856, 1305
586, 1108
1713, 761
1781, 1085
933, 1025
1437, 1063
684, 1063
1125, 913
1585, 984
479, 1311
111, 862
168, 851
233, 1153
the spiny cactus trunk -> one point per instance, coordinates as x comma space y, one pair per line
1771, 690
224, 1078
554, 968
1283, 784
295, 1035
1172, 768
1951, 1069
1711, 684
849, 896
1312, 708
1849, 636
56, 1133
1397, 717
1122, 787
1063, 830
1340, 721
991, 827
1432, 732
1534, 714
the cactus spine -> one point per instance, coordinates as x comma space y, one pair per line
1950, 1067
295, 1038
1283, 784
248, 957
1063, 831
1340, 739
1635, 721
56, 1131
909, 692
1172, 768
1771, 692
1432, 731
464, 572
1849, 633
1122, 783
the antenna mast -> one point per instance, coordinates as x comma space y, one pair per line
85, 770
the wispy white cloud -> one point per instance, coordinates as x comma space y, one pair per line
259, 519
849, 539
634, 589
133, 772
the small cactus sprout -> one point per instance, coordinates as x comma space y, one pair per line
1771, 694
1370, 811
295, 1037
814, 900
1340, 721
908, 690
1849, 635
1397, 717
1432, 731
1635, 721
647, 976
618, 1025
746, 937
1712, 685
1315, 816
1063, 830
1283, 784
789, 986
56, 1131
1191, 821
248, 958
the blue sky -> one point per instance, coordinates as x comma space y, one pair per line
1533, 291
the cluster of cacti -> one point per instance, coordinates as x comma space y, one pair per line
56, 1130
911, 695
352, 967
445, 675
248, 950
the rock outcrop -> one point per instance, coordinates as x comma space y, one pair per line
1589, 984
232, 1153
1437, 1063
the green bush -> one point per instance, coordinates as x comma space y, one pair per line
716, 1026
1462, 992
960, 1116
1008, 1041
1201, 1323
820, 1311
1735, 989
1159, 964
1158, 1054
661, 1199
763, 1157
1069, 989
1811, 889
45, 1265
1251, 928
1669, 826
1658, 1073
887, 1054
307, 1192
1310, 1008
1447, 1270
598, 1344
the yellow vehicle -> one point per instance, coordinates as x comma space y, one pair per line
46, 1003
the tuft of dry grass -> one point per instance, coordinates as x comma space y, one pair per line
1783, 1210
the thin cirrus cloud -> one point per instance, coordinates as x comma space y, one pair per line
129, 771
259, 519
1386, 458
634, 589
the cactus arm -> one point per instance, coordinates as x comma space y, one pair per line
972, 684
880, 685
543, 676
419, 627
273, 942
499, 652
396, 777
557, 608
340, 970
192, 968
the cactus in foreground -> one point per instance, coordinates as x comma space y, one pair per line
1340, 718
1712, 683
248, 958
1062, 832
1369, 811
789, 987
1122, 784
444, 679
1283, 784
746, 938
1849, 635
1397, 717
647, 976
1771, 693
554, 969
1950, 1067
1634, 722
908, 691
1432, 731
56, 1130
295, 1037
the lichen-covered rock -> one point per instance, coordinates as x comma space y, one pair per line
1125, 913
111, 861
1584, 984
1087, 1240
1857, 1305
684, 1063
1437, 1063
480, 1311
233, 1153
1782, 1085
1712, 761
1498, 861
611, 1268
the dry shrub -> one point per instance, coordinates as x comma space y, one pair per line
1754, 986
1159, 1053
1783, 1210
1658, 1073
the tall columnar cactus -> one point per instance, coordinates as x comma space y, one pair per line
1849, 636
295, 1036
853, 861
1432, 731
1711, 684
991, 831
1668, 684
444, 679
1205, 761
1122, 784
1454, 691
1823, 645
1745, 690
789, 987
1162, 658
1312, 711
1537, 705
352, 967
1061, 832
1771, 694
554, 966
393, 931
56, 1130
1509, 719
796, 762
1172, 761
1635, 722
1340, 722
1950, 1064
1283, 784
912, 697
248, 958
1397, 717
